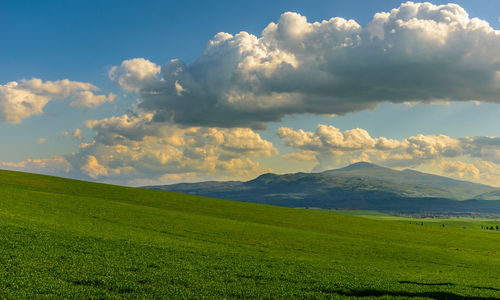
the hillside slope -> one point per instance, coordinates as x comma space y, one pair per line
62, 238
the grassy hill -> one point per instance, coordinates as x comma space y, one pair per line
67, 238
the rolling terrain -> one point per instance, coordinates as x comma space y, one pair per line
62, 238
358, 186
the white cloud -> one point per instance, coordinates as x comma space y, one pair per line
77, 134
135, 74
88, 99
179, 88
418, 52
330, 138
132, 147
331, 148
17, 104
41, 141
460, 169
19, 100
93, 168
482, 171
56, 165
131, 150
59, 88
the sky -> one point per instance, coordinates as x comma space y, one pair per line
159, 92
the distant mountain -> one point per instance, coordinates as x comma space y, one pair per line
416, 183
360, 186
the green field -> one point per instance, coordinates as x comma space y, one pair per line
478, 222
74, 239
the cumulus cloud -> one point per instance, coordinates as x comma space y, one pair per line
131, 149
56, 165
329, 148
19, 100
77, 134
93, 168
483, 171
41, 141
134, 147
89, 99
135, 74
418, 52
460, 169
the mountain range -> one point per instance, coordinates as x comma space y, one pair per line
358, 186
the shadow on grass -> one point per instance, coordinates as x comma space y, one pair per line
427, 284
449, 284
431, 295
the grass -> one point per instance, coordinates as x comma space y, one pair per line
450, 221
73, 239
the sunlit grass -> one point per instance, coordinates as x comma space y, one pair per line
66, 238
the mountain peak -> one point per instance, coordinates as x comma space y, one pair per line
359, 165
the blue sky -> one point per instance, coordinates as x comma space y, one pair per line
83, 41
80, 39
